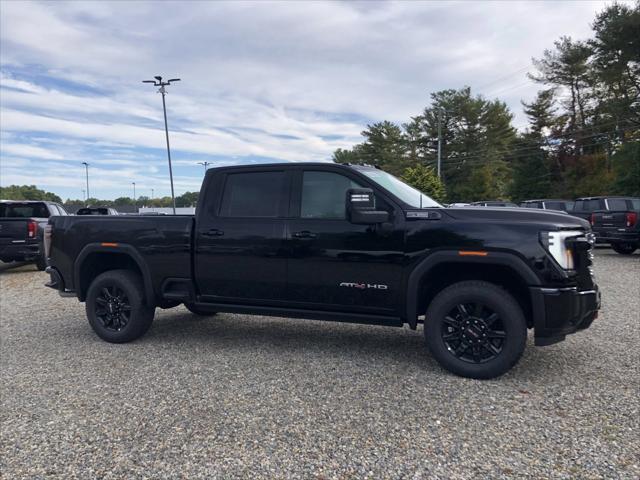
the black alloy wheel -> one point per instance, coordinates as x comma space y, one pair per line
112, 308
473, 333
116, 306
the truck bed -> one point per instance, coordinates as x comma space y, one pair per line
161, 243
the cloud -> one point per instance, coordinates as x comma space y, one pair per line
261, 81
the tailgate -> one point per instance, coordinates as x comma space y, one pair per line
609, 220
13, 229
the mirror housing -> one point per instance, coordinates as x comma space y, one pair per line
361, 207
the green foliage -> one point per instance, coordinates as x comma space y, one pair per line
426, 180
626, 165
27, 192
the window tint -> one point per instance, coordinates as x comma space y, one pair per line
24, 210
617, 204
531, 205
555, 205
588, 205
255, 194
636, 203
324, 194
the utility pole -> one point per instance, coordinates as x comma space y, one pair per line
134, 194
84, 195
152, 197
205, 164
159, 83
86, 168
439, 143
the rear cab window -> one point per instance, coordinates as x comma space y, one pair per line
24, 210
254, 194
617, 204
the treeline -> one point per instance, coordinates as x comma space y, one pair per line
582, 137
31, 192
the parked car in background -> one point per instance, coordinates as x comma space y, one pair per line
585, 206
97, 211
459, 204
21, 230
493, 203
549, 204
619, 228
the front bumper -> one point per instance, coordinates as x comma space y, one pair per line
19, 251
558, 312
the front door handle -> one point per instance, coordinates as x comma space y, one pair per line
304, 234
214, 232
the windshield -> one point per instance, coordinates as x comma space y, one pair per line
404, 192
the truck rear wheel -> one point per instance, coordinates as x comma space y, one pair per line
115, 306
624, 248
475, 329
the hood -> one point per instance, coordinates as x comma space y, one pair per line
555, 219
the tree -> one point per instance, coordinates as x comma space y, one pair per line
27, 192
426, 180
626, 168
187, 199
384, 146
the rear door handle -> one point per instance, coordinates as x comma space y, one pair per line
304, 234
214, 232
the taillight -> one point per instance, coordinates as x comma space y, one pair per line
632, 218
32, 229
48, 230
592, 219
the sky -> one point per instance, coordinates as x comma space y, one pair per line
260, 81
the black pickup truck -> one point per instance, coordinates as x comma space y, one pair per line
619, 226
21, 230
337, 242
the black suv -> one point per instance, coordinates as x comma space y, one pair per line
337, 242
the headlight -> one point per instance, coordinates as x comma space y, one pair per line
555, 244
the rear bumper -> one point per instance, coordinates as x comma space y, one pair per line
19, 251
558, 312
616, 236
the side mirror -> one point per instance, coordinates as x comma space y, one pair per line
361, 207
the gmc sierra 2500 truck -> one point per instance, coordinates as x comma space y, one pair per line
337, 242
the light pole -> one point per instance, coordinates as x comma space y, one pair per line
84, 195
134, 194
205, 164
86, 168
159, 83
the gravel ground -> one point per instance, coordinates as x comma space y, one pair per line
256, 397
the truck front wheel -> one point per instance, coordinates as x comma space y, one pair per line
475, 329
115, 306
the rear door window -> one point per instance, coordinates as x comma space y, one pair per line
253, 194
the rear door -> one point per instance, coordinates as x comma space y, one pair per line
335, 264
240, 234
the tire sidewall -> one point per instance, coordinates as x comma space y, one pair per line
141, 314
500, 302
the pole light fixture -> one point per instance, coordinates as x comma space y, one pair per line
205, 164
86, 169
159, 83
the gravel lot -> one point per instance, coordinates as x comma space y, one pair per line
256, 397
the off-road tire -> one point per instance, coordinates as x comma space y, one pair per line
139, 315
493, 298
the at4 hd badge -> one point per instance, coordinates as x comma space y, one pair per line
364, 286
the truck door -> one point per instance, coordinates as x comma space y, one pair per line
335, 264
240, 237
